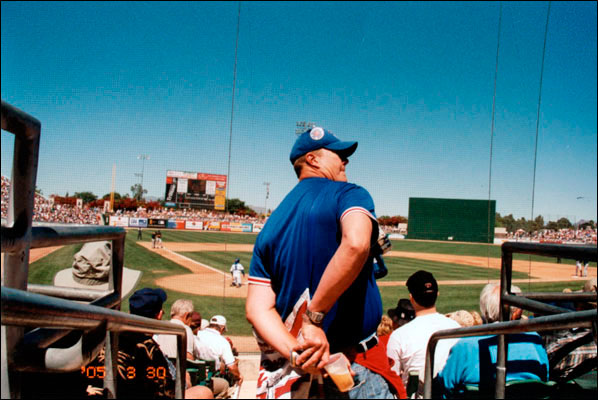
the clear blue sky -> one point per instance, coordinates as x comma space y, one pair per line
412, 82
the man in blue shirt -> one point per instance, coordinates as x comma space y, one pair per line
311, 283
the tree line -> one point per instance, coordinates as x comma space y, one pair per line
131, 203
509, 222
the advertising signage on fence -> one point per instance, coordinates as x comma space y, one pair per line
214, 226
194, 225
195, 190
156, 223
119, 221
138, 222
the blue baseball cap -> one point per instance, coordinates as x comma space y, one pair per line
318, 138
147, 302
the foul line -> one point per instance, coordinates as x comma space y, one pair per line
196, 262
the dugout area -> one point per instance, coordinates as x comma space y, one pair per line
459, 220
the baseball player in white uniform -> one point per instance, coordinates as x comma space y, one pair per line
236, 271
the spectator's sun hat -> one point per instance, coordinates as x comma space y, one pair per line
590, 286
218, 320
91, 270
318, 138
147, 302
403, 311
423, 287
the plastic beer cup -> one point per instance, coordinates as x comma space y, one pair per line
338, 369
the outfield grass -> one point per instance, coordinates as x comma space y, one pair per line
399, 268
197, 236
416, 246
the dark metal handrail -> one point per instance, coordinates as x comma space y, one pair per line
22, 308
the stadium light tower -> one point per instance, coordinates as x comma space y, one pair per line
267, 184
142, 157
302, 126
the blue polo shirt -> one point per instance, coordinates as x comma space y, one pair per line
472, 361
296, 244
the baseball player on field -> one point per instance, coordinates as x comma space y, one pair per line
236, 270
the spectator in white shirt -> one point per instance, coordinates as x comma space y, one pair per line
213, 346
407, 345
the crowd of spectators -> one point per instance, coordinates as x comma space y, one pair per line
568, 235
46, 210
189, 214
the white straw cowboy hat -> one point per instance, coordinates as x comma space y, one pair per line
91, 269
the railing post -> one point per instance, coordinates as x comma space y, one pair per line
111, 364
181, 363
116, 272
505, 316
16, 236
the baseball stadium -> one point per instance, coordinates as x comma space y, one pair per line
80, 271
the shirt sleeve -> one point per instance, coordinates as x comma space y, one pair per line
355, 199
227, 355
393, 352
258, 273
190, 341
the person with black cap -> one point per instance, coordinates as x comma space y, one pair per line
312, 288
402, 314
143, 370
407, 345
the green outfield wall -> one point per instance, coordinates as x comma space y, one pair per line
457, 220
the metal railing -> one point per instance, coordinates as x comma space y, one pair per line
32, 310
563, 318
31, 306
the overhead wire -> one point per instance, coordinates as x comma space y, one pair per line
230, 137
537, 129
492, 142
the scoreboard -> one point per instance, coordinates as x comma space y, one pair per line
195, 190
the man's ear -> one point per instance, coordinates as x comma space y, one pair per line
311, 159
160, 315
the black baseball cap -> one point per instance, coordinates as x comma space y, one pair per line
403, 311
147, 302
423, 287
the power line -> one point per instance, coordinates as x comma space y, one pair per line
492, 137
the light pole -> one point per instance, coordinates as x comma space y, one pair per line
303, 126
142, 157
267, 184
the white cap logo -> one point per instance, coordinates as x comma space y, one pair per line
316, 133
